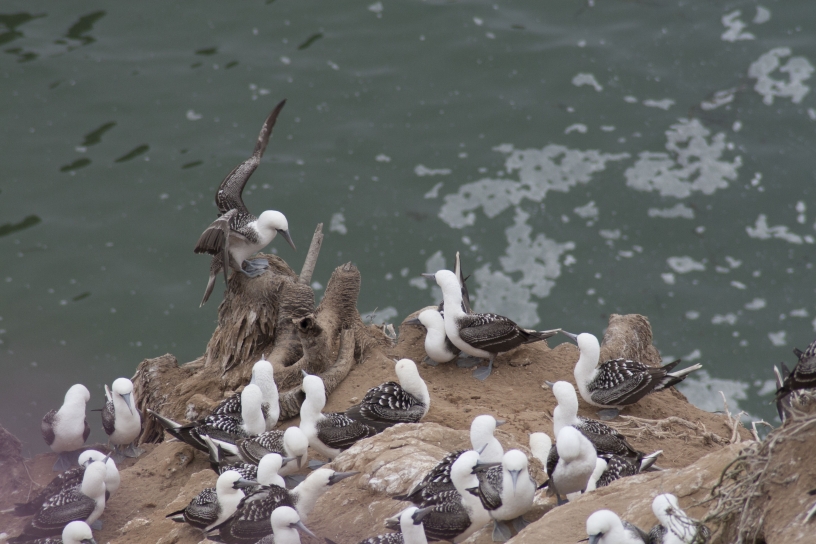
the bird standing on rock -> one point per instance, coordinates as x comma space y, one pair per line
619, 382
390, 403
66, 430
507, 491
803, 375
438, 479
263, 375
121, 419
237, 234
480, 335
291, 443
570, 464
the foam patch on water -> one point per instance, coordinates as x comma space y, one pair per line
555, 167
685, 264
422, 170
663, 104
692, 164
680, 210
338, 223
798, 70
380, 315
587, 211
762, 231
587, 79
778, 338
703, 391
735, 28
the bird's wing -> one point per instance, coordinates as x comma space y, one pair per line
109, 418
622, 382
228, 196
230, 405
490, 332
59, 510
47, 426
490, 488
339, 431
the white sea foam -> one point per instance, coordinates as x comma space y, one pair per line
338, 223
422, 170
692, 164
539, 171
762, 231
685, 264
587, 79
434, 192
756, 304
798, 70
679, 210
587, 211
703, 391
735, 28
663, 104
729, 319
577, 127
778, 338
763, 15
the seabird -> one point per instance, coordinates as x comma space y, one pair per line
291, 443
437, 344
391, 403
285, 526
71, 478
619, 382
605, 527
251, 521
76, 532
604, 438
332, 432
411, 530
675, 526
457, 514
266, 472
438, 479
506, 491
214, 505
263, 376
224, 430
803, 375
237, 234
83, 502
570, 463
480, 335
121, 419
66, 429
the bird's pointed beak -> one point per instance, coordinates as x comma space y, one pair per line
428, 276
412, 321
481, 467
337, 476
420, 514
88, 541
241, 482
299, 525
571, 336
300, 461
286, 460
594, 539
287, 237
129, 401
304, 373
500, 422
548, 384
514, 475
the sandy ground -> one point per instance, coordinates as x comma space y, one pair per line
169, 474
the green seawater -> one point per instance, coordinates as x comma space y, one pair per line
586, 158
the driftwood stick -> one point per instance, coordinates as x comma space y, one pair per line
311, 257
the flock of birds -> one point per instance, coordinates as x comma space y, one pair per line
261, 493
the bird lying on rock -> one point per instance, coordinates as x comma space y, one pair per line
605, 527
390, 403
332, 432
619, 382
